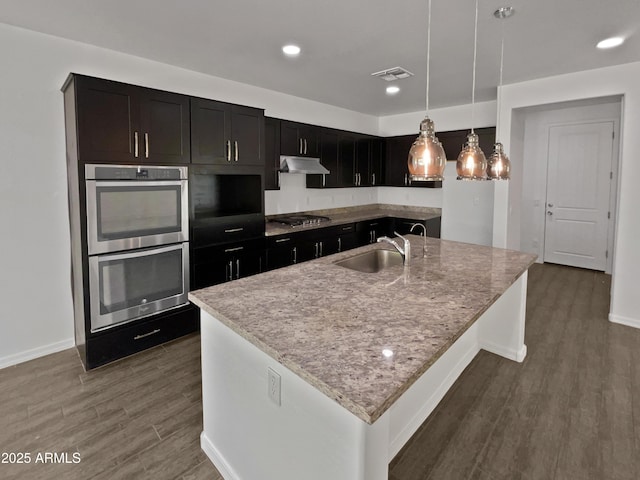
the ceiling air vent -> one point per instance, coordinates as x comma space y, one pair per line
391, 74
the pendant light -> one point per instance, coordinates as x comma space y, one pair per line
472, 164
426, 159
498, 164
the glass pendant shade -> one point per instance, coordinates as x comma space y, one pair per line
472, 164
498, 164
427, 159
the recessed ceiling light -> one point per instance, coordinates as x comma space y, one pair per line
392, 90
610, 42
291, 50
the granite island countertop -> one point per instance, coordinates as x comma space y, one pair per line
330, 325
341, 216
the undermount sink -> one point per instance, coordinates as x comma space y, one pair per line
372, 261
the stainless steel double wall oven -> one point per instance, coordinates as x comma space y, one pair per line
137, 238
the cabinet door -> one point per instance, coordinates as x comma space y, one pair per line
329, 159
108, 121
247, 125
247, 264
367, 232
396, 169
271, 154
376, 161
310, 136
346, 160
282, 255
363, 167
210, 132
212, 269
289, 139
165, 127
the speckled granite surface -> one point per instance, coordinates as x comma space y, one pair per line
330, 324
340, 216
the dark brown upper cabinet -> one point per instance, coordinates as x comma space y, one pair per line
271, 153
121, 123
222, 133
329, 148
299, 139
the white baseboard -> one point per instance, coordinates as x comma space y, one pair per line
217, 459
628, 321
515, 355
27, 355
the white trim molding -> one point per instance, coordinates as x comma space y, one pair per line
27, 355
628, 321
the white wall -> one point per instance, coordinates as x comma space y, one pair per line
467, 209
451, 118
294, 196
612, 81
36, 302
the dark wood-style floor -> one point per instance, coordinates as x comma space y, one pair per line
571, 410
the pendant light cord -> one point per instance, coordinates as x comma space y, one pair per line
499, 99
473, 82
428, 55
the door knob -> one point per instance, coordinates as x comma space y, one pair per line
550, 205
549, 213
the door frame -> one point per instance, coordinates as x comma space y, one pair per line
534, 123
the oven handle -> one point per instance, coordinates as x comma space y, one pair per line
143, 252
129, 183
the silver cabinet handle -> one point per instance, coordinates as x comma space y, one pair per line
321, 249
339, 244
295, 254
324, 178
373, 179
316, 256
146, 145
300, 146
237, 268
135, 144
280, 240
278, 178
405, 178
355, 179
148, 334
233, 230
228, 144
305, 146
236, 249
235, 144
230, 270
345, 229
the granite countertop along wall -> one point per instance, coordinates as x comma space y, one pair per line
330, 324
340, 216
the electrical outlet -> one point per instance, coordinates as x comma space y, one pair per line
273, 380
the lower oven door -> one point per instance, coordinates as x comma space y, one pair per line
130, 285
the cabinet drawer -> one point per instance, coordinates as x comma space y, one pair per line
220, 231
120, 342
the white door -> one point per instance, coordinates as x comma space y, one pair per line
578, 188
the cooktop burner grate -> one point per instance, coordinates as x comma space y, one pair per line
301, 220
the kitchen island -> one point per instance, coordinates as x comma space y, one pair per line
319, 371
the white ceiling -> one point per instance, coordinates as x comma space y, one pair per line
344, 41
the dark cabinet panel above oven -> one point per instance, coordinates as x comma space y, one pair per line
121, 123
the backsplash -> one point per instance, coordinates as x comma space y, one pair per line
294, 196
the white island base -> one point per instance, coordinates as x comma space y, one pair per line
310, 436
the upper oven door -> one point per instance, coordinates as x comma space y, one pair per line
123, 215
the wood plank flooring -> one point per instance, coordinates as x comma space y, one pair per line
571, 410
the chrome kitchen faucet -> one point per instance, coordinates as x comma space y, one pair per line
405, 252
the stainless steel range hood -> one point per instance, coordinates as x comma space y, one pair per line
290, 164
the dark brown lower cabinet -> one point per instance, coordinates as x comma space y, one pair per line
223, 263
